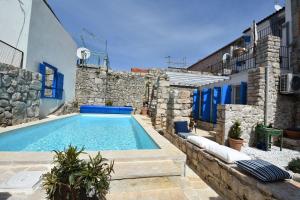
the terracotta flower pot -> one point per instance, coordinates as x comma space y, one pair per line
236, 143
144, 111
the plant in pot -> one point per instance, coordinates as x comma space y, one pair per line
144, 110
73, 178
235, 140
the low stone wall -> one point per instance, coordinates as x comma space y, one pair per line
19, 95
228, 181
248, 115
95, 87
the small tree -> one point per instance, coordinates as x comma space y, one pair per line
235, 130
72, 178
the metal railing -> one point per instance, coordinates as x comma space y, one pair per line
10, 55
274, 30
242, 61
284, 57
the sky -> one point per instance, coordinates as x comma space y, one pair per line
142, 33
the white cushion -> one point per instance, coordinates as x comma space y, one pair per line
227, 154
201, 142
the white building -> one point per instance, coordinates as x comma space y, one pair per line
32, 27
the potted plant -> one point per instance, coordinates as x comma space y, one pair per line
235, 140
144, 110
108, 103
72, 178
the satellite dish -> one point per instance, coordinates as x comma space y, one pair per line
83, 53
277, 7
226, 57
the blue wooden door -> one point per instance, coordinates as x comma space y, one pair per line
216, 101
206, 104
243, 92
196, 102
226, 94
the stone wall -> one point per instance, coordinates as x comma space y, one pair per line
179, 107
19, 95
95, 87
169, 103
248, 115
230, 182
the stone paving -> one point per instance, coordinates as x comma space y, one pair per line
190, 187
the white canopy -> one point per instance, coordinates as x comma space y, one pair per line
193, 79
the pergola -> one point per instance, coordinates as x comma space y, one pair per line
193, 79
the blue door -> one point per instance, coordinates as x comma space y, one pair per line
196, 102
206, 104
243, 92
226, 94
216, 101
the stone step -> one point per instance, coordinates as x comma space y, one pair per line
146, 188
144, 169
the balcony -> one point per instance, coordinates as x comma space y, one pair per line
10, 55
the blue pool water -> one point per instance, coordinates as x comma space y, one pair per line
94, 132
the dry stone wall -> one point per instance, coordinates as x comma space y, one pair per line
19, 95
96, 86
230, 182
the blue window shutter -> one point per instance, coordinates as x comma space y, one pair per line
206, 104
243, 92
43, 73
216, 101
226, 94
196, 101
59, 85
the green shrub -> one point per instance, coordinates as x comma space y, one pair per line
235, 130
72, 178
294, 165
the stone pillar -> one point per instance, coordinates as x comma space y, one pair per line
159, 115
267, 55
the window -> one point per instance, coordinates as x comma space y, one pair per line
236, 94
52, 82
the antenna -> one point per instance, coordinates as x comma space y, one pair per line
277, 6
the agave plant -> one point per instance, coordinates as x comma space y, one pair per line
72, 178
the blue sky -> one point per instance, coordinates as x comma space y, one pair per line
141, 33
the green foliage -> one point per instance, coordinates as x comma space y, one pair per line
235, 130
108, 103
72, 178
294, 165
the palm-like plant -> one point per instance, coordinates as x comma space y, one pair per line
72, 178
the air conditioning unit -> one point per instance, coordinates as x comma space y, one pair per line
290, 83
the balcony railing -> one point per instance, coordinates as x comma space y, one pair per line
244, 60
10, 55
284, 57
274, 30
241, 61
95, 60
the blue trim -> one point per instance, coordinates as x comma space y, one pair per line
196, 101
243, 92
216, 102
226, 94
206, 104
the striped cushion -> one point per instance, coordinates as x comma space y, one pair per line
263, 170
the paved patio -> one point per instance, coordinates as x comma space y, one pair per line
190, 187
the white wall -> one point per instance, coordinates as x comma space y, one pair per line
12, 21
49, 42
234, 79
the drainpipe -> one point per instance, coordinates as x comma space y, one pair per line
267, 69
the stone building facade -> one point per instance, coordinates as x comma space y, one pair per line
19, 95
280, 110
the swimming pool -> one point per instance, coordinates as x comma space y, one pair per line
94, 132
